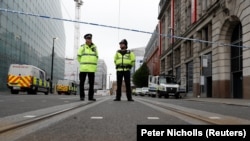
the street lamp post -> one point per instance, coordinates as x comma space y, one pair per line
110, 90
102, 80
109, 80
172, 48
52, 64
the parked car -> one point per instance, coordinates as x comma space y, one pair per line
138, 91
144, 91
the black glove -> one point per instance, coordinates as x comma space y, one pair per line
129, 66
117, 66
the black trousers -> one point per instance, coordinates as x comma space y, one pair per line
91, 77
126, 75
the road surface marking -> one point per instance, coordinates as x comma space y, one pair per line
214, 117
153, 118
68, 98
96, 117
29, 116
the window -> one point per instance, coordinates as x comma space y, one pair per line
178, 75
206, 35
41, 75
169, 61
189, 76
162, 65
163, 38
189, 49
177, 17
177, 56
188, 15
236, 52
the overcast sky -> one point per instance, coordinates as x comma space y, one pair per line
131, 14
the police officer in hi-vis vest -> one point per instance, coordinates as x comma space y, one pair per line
87, 57
124, 60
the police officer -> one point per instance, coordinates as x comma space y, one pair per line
124, 60
87, 57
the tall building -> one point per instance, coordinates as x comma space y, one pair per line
206, 45
101, 75
139, 55
26, 39
71, 71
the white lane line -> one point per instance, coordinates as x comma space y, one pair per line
153, 118
96, 117
29, 116
68, 98
214, 117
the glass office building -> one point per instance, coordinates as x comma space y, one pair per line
26, 39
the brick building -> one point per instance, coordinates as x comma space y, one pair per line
206, 44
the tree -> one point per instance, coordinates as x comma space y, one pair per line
140, 77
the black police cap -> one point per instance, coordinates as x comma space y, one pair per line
124, 41
88, 36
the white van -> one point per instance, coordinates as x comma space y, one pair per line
27, 78
164, 85
66, 87
152, 85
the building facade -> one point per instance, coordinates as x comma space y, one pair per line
152, 53
205, 44
72, 73
101, 76
139, 55
71, 70
26, 39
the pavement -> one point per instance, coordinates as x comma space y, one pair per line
229, 101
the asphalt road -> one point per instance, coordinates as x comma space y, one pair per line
16, 104
109, 121
104, 119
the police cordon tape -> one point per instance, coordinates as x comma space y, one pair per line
115, 27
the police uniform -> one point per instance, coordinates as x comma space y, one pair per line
87, 57
124, 60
